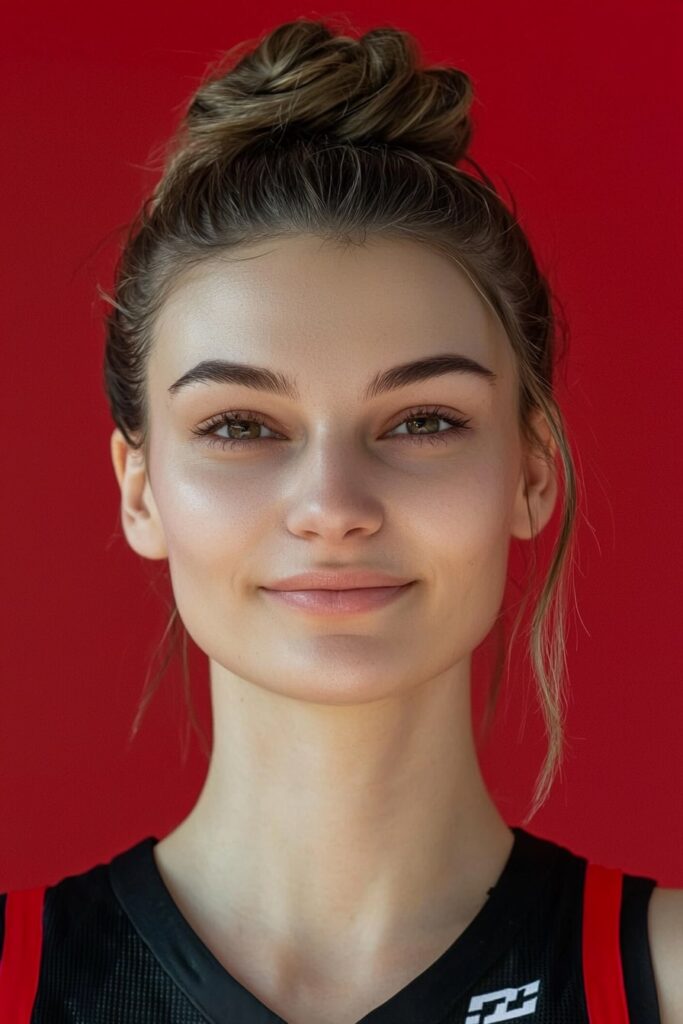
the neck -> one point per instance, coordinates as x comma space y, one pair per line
376, 812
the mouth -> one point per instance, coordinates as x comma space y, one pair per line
340, 602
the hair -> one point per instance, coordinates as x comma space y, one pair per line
311, 131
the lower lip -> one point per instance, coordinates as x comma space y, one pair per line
339, 602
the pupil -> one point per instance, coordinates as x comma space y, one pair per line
421, 419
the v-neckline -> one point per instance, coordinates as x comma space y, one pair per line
425, 999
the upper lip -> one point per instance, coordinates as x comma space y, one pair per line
350, 579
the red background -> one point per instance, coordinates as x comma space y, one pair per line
578, 111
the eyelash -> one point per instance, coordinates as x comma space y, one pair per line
458, 426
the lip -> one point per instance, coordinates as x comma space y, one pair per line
340, 602
350, 579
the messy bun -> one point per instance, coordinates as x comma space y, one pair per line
311, 131
303, 82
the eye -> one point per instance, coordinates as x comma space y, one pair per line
241, 421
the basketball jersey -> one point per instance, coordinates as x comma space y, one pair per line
558, 940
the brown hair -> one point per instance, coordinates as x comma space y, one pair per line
313, 131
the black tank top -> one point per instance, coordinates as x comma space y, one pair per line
558, 941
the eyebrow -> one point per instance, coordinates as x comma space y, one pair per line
220, 371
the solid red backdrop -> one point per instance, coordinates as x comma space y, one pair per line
577, 110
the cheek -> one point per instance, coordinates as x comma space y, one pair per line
464, 510
465, 527
210, 520
201, 507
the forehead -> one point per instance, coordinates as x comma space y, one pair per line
314, 308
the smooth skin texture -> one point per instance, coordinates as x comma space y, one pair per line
344, 829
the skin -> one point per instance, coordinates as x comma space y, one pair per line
344, 828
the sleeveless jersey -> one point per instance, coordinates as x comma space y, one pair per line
559, 940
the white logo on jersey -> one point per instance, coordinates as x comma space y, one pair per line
500, 1004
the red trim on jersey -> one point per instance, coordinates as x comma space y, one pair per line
22, 945
602, 968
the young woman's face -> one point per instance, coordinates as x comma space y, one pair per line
335, 478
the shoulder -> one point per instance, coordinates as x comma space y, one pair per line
665, 932
69, 908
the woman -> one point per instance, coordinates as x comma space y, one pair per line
329, 360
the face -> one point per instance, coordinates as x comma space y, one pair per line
333, 477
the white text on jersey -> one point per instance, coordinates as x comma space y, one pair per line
492, 1007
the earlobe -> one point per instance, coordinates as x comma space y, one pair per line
139, 515
537, 488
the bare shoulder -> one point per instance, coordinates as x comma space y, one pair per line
665, 932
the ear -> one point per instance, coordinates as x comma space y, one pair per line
139, 514
537, 483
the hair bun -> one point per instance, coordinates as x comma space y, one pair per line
304, 81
